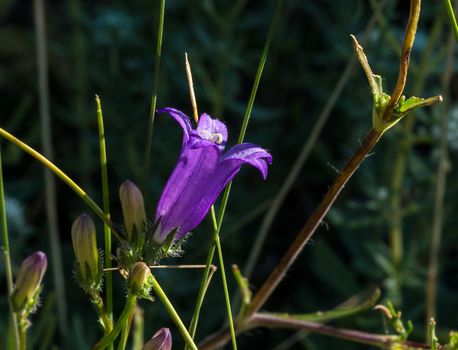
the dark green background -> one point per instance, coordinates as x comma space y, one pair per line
107, 47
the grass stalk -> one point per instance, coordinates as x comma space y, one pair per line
403, 149
217, 243
173, 314
6, 254
106, 210
50, 186
451, 15
152, 113
109, 339
442, 169
64, 177
202, 290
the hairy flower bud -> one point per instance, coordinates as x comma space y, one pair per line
140, 280
133, 211
162, 340
85, 247
28, 281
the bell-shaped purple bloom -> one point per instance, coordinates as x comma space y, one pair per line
202, 172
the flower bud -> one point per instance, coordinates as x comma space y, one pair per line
133, 211
162, 340
28, 281
85, 247
140, 280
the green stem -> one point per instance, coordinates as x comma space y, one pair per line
106, 209
152, 113
118, 327
173, 314
6, 253
64, 177
202, 291
23, 337
138, 329
226, 293
104, 319
125, 332
223, 277
451, 15
262, 62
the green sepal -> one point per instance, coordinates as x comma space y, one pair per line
433, 341
26, 307
453, 341
86, 280
154, 252
398, 324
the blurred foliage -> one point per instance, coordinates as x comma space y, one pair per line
107, 47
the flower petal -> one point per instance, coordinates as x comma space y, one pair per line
212, 130
185, 201
248, 153
182, 119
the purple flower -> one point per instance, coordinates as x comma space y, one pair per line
202, 172
162, 340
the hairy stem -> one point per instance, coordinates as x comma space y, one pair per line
304, 154
311, 225
407, 45
220, 338
384, 341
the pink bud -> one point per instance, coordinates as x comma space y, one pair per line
162, 340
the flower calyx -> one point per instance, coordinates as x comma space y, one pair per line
387, 113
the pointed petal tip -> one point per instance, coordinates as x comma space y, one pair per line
181, 118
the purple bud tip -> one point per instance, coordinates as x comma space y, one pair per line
161, 340
38, 262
